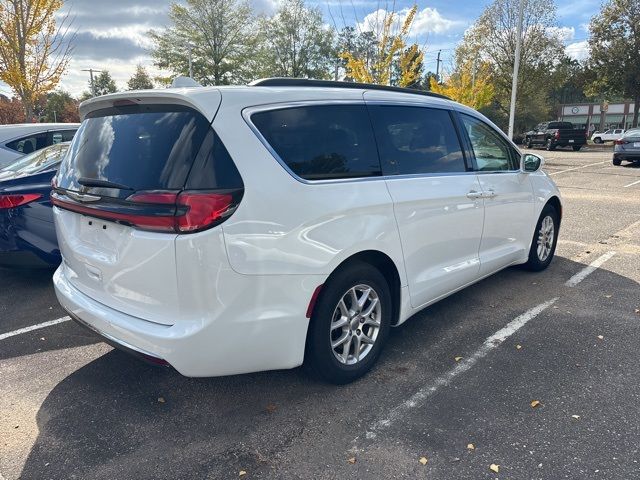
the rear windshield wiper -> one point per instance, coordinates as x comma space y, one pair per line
95, 182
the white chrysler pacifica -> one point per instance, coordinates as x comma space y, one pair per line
236, 229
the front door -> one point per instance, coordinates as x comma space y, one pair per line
507, 193
437, 198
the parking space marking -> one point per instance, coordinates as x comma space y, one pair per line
632, 184
492, 342
34, 327
589, 269
576, 168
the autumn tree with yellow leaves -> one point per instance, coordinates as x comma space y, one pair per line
391, 47
470, 84
34, 49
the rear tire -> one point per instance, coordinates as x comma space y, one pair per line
549, 145
347, 334
545, 239
576, 148
597, 140
617, 162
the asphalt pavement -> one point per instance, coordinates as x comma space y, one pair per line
521, 376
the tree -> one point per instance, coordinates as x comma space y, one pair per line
614, 45
492, 41
140, 80
34, 50
103, 84
219, 33
391, 52
60, 107
11, 111
295, 43
471, 85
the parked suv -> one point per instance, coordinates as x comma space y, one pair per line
235, 229
607, 136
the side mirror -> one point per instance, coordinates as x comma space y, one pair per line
530, 162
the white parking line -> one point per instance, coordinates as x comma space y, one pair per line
418, 398
589, 269
34, 327
492, 342
632, 184
576, 168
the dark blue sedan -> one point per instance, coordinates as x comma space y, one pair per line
27, 233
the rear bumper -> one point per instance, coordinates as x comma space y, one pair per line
628, 156
246, 337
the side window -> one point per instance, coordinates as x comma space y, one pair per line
413, 140
492, 152
29, 144
323, 141
67, 135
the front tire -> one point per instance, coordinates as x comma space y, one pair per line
545, 238
527, 142
350, 324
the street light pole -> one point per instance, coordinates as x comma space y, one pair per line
93, 86
516, 68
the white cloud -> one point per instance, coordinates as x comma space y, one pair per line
565, 34
578, 50
427, 20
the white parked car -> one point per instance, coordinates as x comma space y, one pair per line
235, 229
610, 135
21, 139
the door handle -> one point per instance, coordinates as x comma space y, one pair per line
474, 194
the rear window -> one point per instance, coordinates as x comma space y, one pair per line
149, 147
322, 142
561, 125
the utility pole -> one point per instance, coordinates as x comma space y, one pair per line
438, 67
93, 85
516, 68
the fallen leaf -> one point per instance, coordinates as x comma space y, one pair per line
42, 338
457, 359
471, 446
600, 337
352, 460
638, 310
423, 460
575, 416
535, 403
270, 408
608, 296
518, 347
160, 399
242, 473
494, 468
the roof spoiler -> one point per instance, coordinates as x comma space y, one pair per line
184, 82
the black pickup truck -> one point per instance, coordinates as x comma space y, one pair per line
555, 134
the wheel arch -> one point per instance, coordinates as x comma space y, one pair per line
555, 202
383, 263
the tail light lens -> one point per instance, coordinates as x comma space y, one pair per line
184, 212
557, 134
620, 142
17, 200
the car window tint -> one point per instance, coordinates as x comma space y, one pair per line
492, 152
323, 141
414, 140
29, 144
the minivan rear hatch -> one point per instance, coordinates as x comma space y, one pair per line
121, 201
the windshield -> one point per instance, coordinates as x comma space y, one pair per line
38, 161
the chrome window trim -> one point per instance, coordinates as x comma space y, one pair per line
247, 112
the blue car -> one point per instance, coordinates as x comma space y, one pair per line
27, 233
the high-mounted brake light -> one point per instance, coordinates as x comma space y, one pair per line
17, 200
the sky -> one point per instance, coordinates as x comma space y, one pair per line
111, 35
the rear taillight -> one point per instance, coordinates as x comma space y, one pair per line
184, 212
17, 200
620, 142
557, 134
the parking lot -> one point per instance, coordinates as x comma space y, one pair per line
536, 374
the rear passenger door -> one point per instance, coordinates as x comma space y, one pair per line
436, 197
508, 196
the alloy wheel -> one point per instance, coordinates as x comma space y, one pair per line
546, 237
355, 324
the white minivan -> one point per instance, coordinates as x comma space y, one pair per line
227, 230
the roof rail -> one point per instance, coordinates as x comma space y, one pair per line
311, 82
